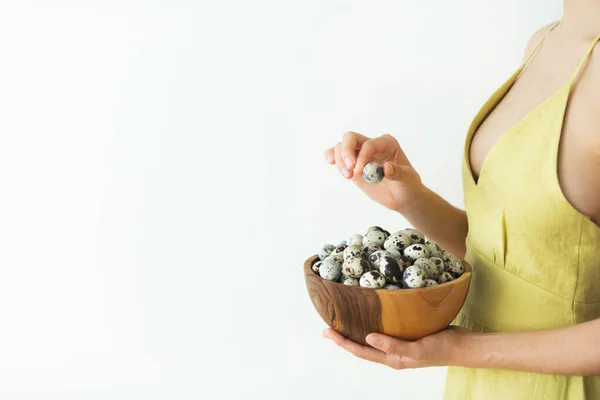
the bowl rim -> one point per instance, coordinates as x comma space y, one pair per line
465, 276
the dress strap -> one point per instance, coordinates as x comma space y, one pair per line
585, 59
540, 43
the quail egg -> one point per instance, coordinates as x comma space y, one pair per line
439, 263
326, 251
431, 270
392, 286
414, 235
445, 277
452, 264
376, 238
355, 267
343, 243
331, 269
315, 267
370, 249
456, 269
339, 251
390, 269
397, 240
372, 279
355, 240
414, 277
350, 281
353, 251
373, 173
430, 282
394, 252
434, 248
416, 251
375, 228
375, 257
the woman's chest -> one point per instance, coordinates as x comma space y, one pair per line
577, 159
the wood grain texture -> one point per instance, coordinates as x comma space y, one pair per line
406, 314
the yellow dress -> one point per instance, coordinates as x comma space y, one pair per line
535, 258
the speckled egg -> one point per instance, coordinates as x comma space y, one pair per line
355, 240
370, 249
339, 251
390, 269
414, 235
326, 251
430, 283
355, 267
343, 243
372, 279
445, 277
405, 261
414, 277
456, 269
431, 270
392, 286
331, 269
439, 263
375, 228
394, 252
353, 251
315, 267
416, 251
397, 240
350, 281
373, 173
375, 257
434, 248
452, 264
376, 238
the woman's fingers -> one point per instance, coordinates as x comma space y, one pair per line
382, 148
329, 156
351, 142
390, 345
396, 172
346, 173
364, 352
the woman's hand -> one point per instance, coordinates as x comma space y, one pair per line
402, 184
439, 349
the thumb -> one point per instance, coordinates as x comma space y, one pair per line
388, 345
395, 172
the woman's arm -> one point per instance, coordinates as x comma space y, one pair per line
573, 350
438, 220
402, 190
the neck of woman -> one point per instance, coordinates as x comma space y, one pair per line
582, 17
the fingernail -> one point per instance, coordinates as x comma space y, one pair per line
348, 161
330, 159
325, 333
373, 340
345, 172
391, 167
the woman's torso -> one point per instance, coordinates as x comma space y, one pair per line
579, 152
530, 157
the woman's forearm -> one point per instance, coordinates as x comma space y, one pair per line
574, 350
438, 220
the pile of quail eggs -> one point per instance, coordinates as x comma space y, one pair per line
378, 259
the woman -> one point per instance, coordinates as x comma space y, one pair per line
529, 327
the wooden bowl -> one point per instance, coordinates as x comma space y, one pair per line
408, 314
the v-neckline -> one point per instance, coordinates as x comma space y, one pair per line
487, 109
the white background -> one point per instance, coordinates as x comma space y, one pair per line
162, 181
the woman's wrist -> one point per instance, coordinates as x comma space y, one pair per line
414, 197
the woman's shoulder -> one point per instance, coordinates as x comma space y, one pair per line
536, 37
